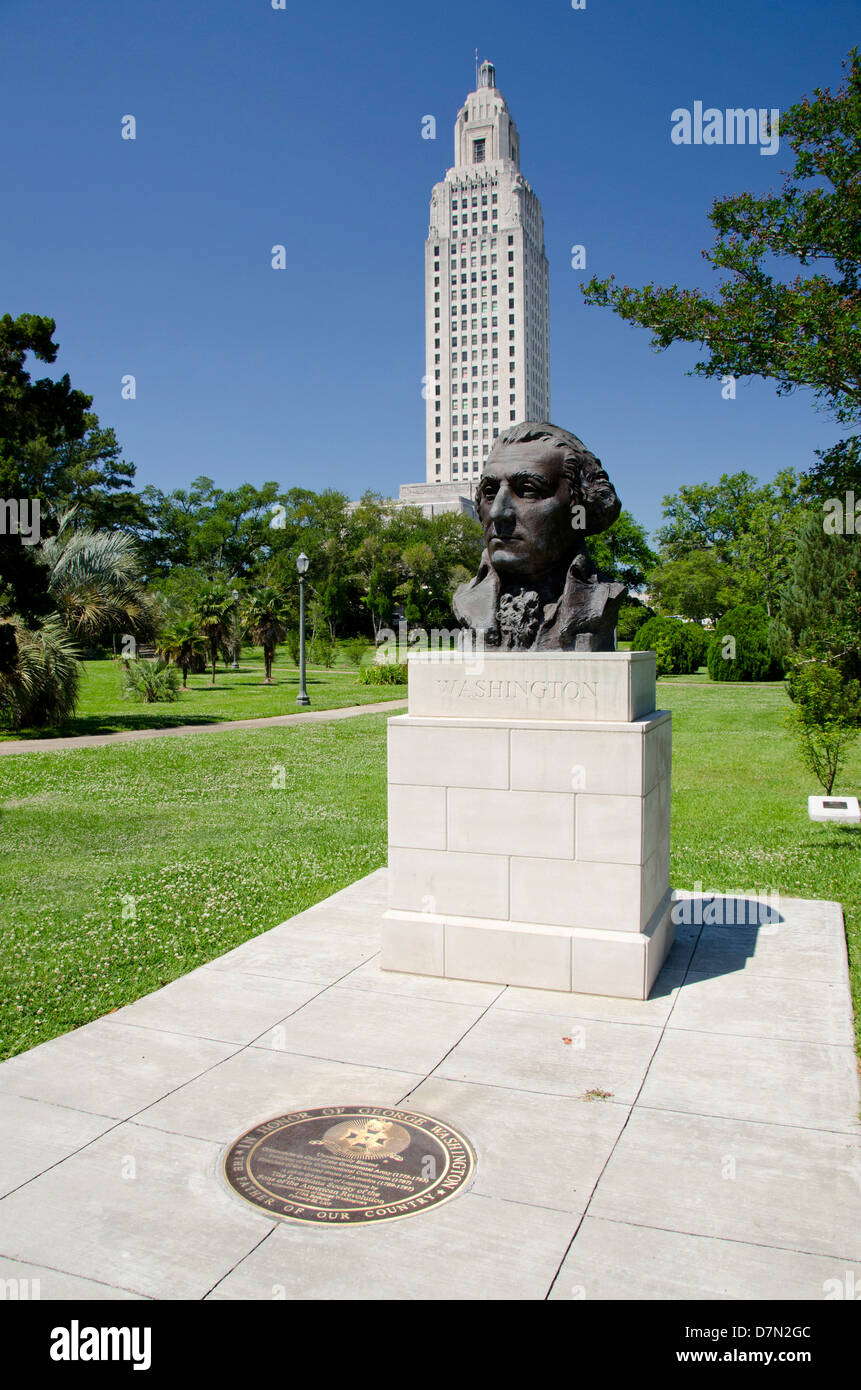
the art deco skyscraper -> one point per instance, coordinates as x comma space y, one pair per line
486, 293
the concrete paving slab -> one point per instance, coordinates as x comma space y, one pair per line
256, 1084
372, 977
223, 1005
527, 1052
139, 1208
43, 1135
656, 1009
38, 1283
747, 1078
756, 1006
807, 943
109, 1068
618, 1261
320, 953
351, 1025
764, 1184
472, 1248
546, 1150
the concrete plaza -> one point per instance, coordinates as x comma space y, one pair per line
701, 1144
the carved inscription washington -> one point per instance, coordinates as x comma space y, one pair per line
511, 690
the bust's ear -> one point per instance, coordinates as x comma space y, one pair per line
578, 517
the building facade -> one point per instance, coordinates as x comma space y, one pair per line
487, 314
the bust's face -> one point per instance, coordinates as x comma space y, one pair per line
524, 505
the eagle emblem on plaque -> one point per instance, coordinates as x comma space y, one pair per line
367, 1139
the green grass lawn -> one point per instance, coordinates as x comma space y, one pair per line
241, 694
123, 867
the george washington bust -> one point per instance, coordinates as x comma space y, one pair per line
541, 494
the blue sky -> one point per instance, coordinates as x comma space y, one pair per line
302, 126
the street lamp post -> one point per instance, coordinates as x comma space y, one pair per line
302, 567
235, 597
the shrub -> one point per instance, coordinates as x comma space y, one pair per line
678, 646
741, 649
354, 649
39, 674
322, 651
825, 720
151, 682
384, 673
699, 641
632, 616
292, 640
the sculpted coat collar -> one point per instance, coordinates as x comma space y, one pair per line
583, 618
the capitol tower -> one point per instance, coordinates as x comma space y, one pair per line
487, 313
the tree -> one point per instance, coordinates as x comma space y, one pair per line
708, 516
838, 471
213, 611
825, 719
218, 532
697, 586
762, 560
36, 418
91, 476
820, 605
623, 552
747, 532
800, 331
266, 618
182, 644
95, 582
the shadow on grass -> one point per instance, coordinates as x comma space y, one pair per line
109, 724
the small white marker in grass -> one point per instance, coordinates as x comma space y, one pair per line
843, 809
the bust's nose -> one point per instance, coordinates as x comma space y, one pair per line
503, 505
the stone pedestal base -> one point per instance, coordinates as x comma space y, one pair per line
529, 838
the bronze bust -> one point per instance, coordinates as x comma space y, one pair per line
541, 493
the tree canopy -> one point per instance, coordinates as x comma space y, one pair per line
787, 306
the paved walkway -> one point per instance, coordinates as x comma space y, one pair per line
56, 745
722, 1163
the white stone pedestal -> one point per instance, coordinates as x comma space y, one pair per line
529, 822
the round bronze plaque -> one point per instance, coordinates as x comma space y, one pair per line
347, 1164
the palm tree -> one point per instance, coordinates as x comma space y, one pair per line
39, 673
96, 582
266, 618
181, 643
213, 613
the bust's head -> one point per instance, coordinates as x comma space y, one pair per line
541, 493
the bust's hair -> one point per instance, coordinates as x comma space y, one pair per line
590, 486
